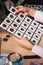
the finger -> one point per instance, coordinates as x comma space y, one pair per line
19, 10
26, 13
16, 14
24, 38
17, 7
17, 39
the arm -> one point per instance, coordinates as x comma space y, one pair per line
38, 15
25, 43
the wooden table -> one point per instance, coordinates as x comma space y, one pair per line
12, 46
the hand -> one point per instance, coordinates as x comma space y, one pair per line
24, 42
25, 10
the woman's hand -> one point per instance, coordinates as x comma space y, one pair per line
24, 42
25, 10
